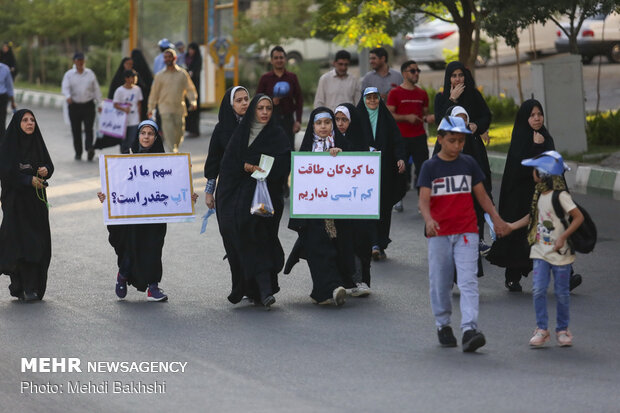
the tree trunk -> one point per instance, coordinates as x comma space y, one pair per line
42, 72
465, 43
30, 61
519, 85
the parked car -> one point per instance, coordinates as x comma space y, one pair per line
591, 40
430, 38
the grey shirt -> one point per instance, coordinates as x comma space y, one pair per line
383, 84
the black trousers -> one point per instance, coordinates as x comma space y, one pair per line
416, 148
4, 101
82, 113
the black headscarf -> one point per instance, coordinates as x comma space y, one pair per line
339, 140
119, 78
471, 99
194, 63
142, 67
517, 189
20, 148
8, 58
354, 133
228, 120
157, 147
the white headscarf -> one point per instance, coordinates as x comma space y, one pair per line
457, 110
344, 110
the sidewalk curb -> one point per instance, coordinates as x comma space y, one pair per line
27, 98
580, 175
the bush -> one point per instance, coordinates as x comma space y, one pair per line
503, 108
308, 74
603, 129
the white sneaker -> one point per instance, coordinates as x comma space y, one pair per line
362, 290
339, 296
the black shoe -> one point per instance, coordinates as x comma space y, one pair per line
91, 154
446, 337
473, 340
575, 281
269, 301
514, 286
78, 157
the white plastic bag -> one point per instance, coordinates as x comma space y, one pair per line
261, 202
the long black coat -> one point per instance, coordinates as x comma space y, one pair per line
255, 238
25, 229
517, 189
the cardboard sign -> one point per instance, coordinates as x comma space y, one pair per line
112, 122
343, 186
146, 188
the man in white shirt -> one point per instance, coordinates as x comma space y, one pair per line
382, 76
337, 86
81, 89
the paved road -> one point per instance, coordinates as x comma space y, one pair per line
373, 355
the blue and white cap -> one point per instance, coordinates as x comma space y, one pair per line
453, 124
370, 90
150, 123
547, 163
165, 43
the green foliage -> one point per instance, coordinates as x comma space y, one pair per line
283, 19
503, 108
603, 129
308, 74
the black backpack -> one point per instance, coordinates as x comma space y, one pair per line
583, 239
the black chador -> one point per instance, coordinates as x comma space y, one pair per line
254, 238
326, 244
25, 241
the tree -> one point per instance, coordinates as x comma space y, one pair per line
370, 23
576, 11
278, 20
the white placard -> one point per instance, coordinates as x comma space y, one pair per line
343, 186
146, 188
112, 122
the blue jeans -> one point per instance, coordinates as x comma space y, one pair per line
561, 284
444, 254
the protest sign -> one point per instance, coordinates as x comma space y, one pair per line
343, 186
112, 122
146, 188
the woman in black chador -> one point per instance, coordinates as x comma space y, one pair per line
139, 247
145, 78
232, 109
326, 244
382, 134
529, 138
254, 238
193, 61
459, 89
25, 241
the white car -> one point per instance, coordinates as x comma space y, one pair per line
429, 40
591, 41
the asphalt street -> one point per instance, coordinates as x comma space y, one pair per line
375, 354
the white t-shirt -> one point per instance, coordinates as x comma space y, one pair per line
549, 228
131, 96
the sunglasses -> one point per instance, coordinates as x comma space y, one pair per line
414, 71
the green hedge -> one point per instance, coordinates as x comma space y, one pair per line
604, 129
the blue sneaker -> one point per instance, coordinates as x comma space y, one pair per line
484, 249
121, 286
155, 293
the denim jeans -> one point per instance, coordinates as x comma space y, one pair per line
131, 134
444, 254
561, 283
